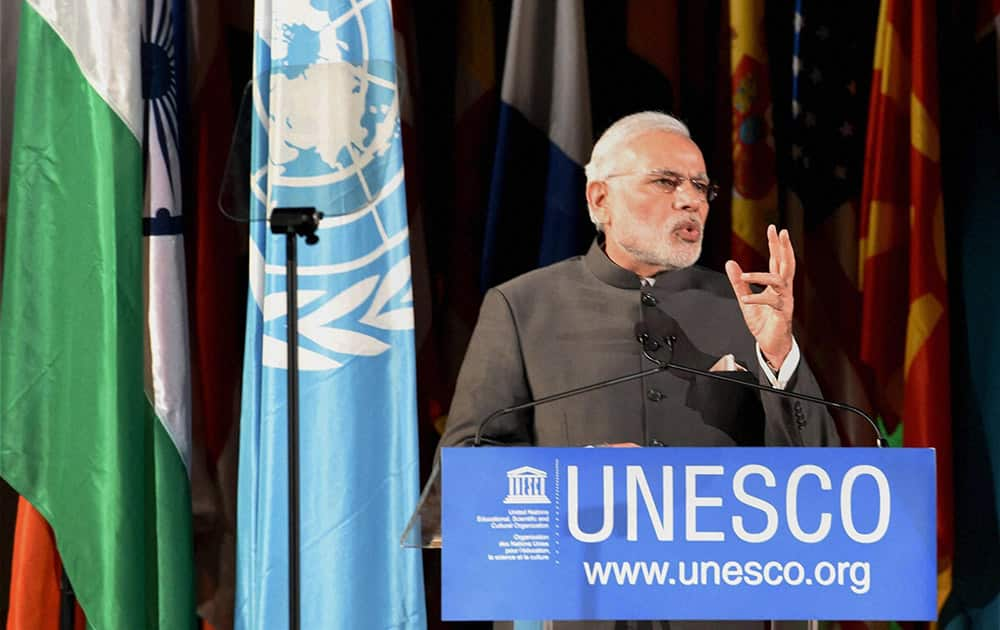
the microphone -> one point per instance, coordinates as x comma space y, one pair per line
651, 343
480, 440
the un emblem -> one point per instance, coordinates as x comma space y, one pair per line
328, 135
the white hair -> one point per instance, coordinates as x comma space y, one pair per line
616, 137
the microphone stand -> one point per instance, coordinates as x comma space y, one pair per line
293, 222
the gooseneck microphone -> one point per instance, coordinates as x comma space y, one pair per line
480, 440
651, 343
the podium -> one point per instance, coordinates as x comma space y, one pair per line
683, 533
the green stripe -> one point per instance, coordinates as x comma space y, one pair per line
75, 427
170, 603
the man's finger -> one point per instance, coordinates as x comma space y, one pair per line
771, 299
740, 287
788, 268
765, 279
774, 256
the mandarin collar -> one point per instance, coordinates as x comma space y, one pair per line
609, 272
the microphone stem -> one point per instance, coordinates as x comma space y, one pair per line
880, 441
666, 365
554, 397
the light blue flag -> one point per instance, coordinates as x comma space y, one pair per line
326, 133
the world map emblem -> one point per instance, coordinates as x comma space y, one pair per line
327, 134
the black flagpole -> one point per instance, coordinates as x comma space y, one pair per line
67, 602
293, 222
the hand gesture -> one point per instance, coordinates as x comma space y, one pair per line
768, 314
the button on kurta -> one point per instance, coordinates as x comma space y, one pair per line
654, 395
648, 299
648, 343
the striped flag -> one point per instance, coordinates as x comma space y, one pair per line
904, 332
101, 456
536, 213
358, 417
831, 76
755, 188
167, 359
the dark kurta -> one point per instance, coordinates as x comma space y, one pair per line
575, 323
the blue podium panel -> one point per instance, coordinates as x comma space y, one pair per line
688, 533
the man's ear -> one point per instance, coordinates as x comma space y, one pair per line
597, 197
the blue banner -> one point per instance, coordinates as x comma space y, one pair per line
326, 133
688, 533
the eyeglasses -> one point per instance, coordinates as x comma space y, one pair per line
668, 181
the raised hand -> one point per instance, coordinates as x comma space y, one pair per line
768, 314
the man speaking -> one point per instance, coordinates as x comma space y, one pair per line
634, 300
637, 297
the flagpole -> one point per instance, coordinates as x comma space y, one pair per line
67, 602
293, 222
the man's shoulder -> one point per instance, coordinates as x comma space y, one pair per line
544, 278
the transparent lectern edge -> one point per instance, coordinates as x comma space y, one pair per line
234, 197
423, 530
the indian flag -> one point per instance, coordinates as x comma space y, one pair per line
94, 388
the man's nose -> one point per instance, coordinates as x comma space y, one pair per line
686, 197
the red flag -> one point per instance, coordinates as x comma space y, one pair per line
35, 574
904, 333
831, 72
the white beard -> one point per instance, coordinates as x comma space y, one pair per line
668, 253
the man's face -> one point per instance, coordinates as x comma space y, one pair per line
653, 214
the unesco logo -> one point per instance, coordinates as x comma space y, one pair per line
526, 486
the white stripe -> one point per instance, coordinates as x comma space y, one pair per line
100, 35
168, 339
256, 274
561, 104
